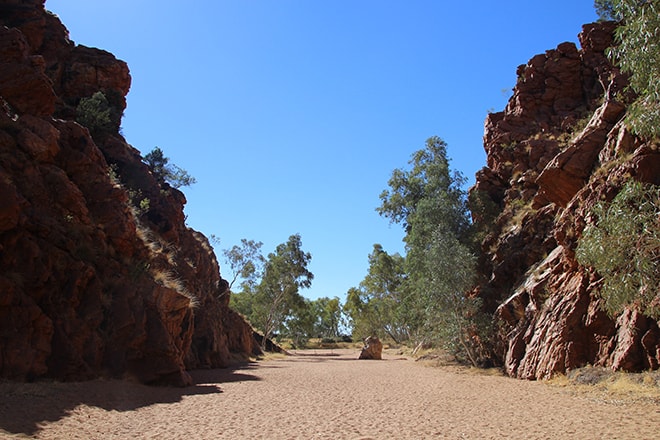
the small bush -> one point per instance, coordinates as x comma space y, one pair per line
98, 115
166, 172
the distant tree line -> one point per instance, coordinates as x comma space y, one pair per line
423, 298
268, 294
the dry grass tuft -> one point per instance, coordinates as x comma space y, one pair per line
493, 372
270, 356
606, 385
156, 246
435, 358
157, 250
167, 279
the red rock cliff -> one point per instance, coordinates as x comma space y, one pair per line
558, 148
91, 282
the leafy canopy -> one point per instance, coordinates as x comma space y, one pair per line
428, 200
376, 306
319, 318
429, 189
623, 246
277, 294
245, 262
638, 54
605, 10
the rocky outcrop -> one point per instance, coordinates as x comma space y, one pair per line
558, 148
99, 273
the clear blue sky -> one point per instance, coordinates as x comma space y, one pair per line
292, 114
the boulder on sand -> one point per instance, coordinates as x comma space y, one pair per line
373, 348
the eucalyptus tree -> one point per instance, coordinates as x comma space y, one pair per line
623, 246
245, 262
429, 201
327, 314
319, 318
637, 52
285, 273
376, 306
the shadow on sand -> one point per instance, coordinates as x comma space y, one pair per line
25, 407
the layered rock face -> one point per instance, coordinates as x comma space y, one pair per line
557, 149
99, 275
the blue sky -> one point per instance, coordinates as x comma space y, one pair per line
292, 114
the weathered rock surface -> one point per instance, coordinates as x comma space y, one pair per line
90, 283
372, 349
558, 148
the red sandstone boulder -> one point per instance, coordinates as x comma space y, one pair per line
373, 348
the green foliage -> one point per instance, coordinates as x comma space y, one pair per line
428, 200
269, 292
376, 307
426, 191
484, 212
623, 246
360, 314
308, 319
245, 262
299, 325
138, 201
98, 115
166, 172
242, 302
327, 314
605, 10
145, 205
638, 53
276, 295
457, 322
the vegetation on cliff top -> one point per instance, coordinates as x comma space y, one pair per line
166, 172
99, 115
638, 53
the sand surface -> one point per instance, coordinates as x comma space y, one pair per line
321, 395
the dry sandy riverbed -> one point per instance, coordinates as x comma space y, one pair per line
321, 395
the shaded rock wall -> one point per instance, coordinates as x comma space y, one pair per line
91, 283
558, 148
